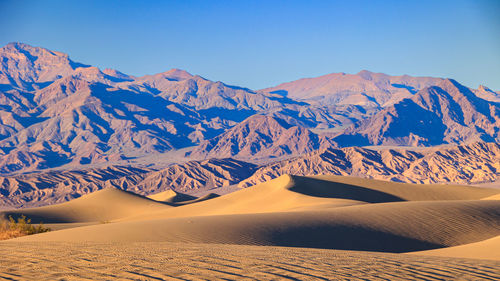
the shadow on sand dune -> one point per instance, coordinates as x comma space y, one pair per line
329, 189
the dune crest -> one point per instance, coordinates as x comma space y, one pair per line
103, 205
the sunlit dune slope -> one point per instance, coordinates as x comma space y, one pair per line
278, 195
199, 199
294, 193
104, 205
487, 249
317, 212
493, 197
286, 193
170, 196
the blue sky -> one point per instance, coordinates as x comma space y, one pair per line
257, 44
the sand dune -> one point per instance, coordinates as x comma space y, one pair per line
492, 197
324, 212
294, 193
278, 195
170, 196
199, 199
404, 191
286, 193
104, 205
389, 227
174, 198
487, 249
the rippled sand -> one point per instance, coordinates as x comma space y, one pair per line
174, 261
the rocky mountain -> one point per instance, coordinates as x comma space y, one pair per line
260, 137
474, 163
28, 67
465, 164
445, 113
56, 113
487, 94
194, 175
199, 93
58, 186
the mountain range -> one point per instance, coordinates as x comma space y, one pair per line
60, 116
464, 164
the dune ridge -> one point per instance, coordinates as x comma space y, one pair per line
389, 227
103, 205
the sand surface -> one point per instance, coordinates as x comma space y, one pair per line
486, 249
174, 261
101, 206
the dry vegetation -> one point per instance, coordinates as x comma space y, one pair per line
11, 228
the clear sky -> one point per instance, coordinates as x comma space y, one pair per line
257, 44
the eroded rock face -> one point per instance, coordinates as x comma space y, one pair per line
194, 175
474, 163
58, 186
477, 162
261, 137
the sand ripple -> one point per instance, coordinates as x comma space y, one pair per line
174, 261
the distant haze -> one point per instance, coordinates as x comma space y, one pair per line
258, 44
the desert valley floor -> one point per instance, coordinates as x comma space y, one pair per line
295, 228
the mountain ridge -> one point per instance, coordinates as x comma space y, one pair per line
57, 113
464, 164
445, 113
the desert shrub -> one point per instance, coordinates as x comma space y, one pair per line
11, 228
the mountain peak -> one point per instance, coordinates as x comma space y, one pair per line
447, 112
365, 72
117, 74
23, 65
31, 51
179, 74
484, 88
172, 74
